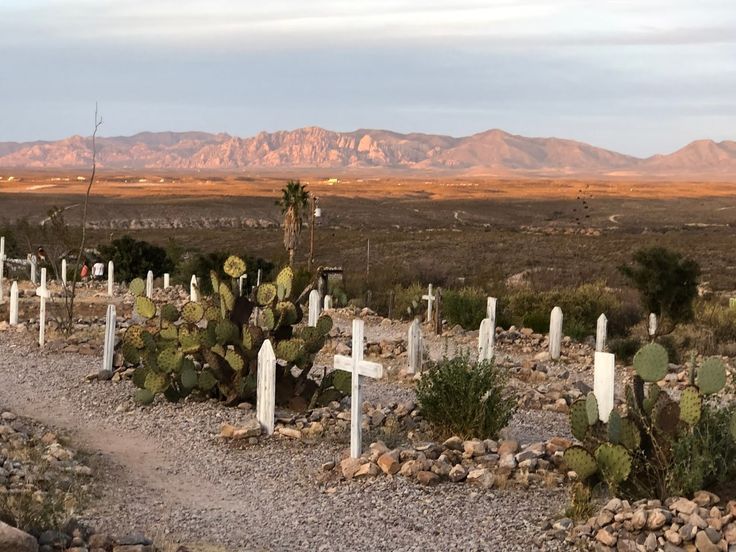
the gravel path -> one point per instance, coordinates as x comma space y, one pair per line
162, 470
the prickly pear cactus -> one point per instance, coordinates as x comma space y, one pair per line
581, 462
630, 435
234, 267
579, 419
591, 408
145, 307
615, 427
614, 463
265, 294
711, 376
284, 281
651, 362
136, 287
169, 313
691, 406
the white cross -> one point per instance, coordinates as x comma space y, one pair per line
193, 295
357, 367
149, 284
2, 267
44, 294
429, 298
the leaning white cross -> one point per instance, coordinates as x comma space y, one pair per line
429, 298
358, 367
44, 294
2, 267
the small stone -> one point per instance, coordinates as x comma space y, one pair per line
481, 477
704, 544
474, 448
650, 543
428, 478
453, 443
349, 466
656, 520
684, 506
389, 462
606, 537
457, 473
639, 519
367, 470
290, 432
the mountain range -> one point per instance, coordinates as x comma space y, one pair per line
490, 152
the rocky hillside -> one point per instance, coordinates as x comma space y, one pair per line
493, 151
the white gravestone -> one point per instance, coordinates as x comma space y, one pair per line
486, 341
604, 373
415, 345
358, 367
44, 294
193, 289
652, 324
2, 268
109, 350
491, 303
241, 283
33, 260
601, 333
555, 333
266, 392
328, 302
110, 278
14, 304
63, 272
167, 280
149, 284
258, 278
429, 298
314, 301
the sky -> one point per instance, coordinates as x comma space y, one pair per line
636, 76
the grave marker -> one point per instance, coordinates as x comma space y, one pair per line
241, 281
149, 284
14, 304
110, 278
193, 289
652, 324
415, 345
328, 303
429, 298
486, 341
601, 333
357, 367
258, 278
167, 280
2, 268
604, 373
44, 294
63, 272
109, 351
555, 333
33, 260
313, 307
266, 392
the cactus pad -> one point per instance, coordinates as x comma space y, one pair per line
137, 286
711, 376
581, 462
156, 382
630, 435
614, 462
169, 313
324, 324
226, 332
286, 313
234, 266
192, 312
289, 350
212, 314
227, 299
188, 377
615, 427
235, 360
265, 294
139, 377
143, 397
342, 381
652, 396
130, 354
145, 307
591, 408
690, 406
133, 335
266, 319
169, 360
651, 362
284, 281
215, 281
206, 381
579, 419
169, 332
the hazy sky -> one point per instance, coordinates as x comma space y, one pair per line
637, 76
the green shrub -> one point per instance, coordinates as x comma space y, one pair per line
624, 348
466, 398
667, 284
705, 457
134, 258
465, 306
407, 300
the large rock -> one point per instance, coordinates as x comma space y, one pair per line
15, 540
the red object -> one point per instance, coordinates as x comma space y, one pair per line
85, 271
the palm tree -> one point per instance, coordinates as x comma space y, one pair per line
294, 203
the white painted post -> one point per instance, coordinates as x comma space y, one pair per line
149, 284
601, 333
486, 340
429, 298
241, 282
14, 304
491, 303
258, 278
415, 344
193, 289
44, 294
110, 278
2, 268
63, 272
328, 303
266, 391
109, 350
34, 261
555, 333
358, 367
652, 324
314, 301
604, 373
167, 280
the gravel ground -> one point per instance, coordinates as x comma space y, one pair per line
162, 470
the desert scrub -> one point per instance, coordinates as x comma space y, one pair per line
465, 306
466, 398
